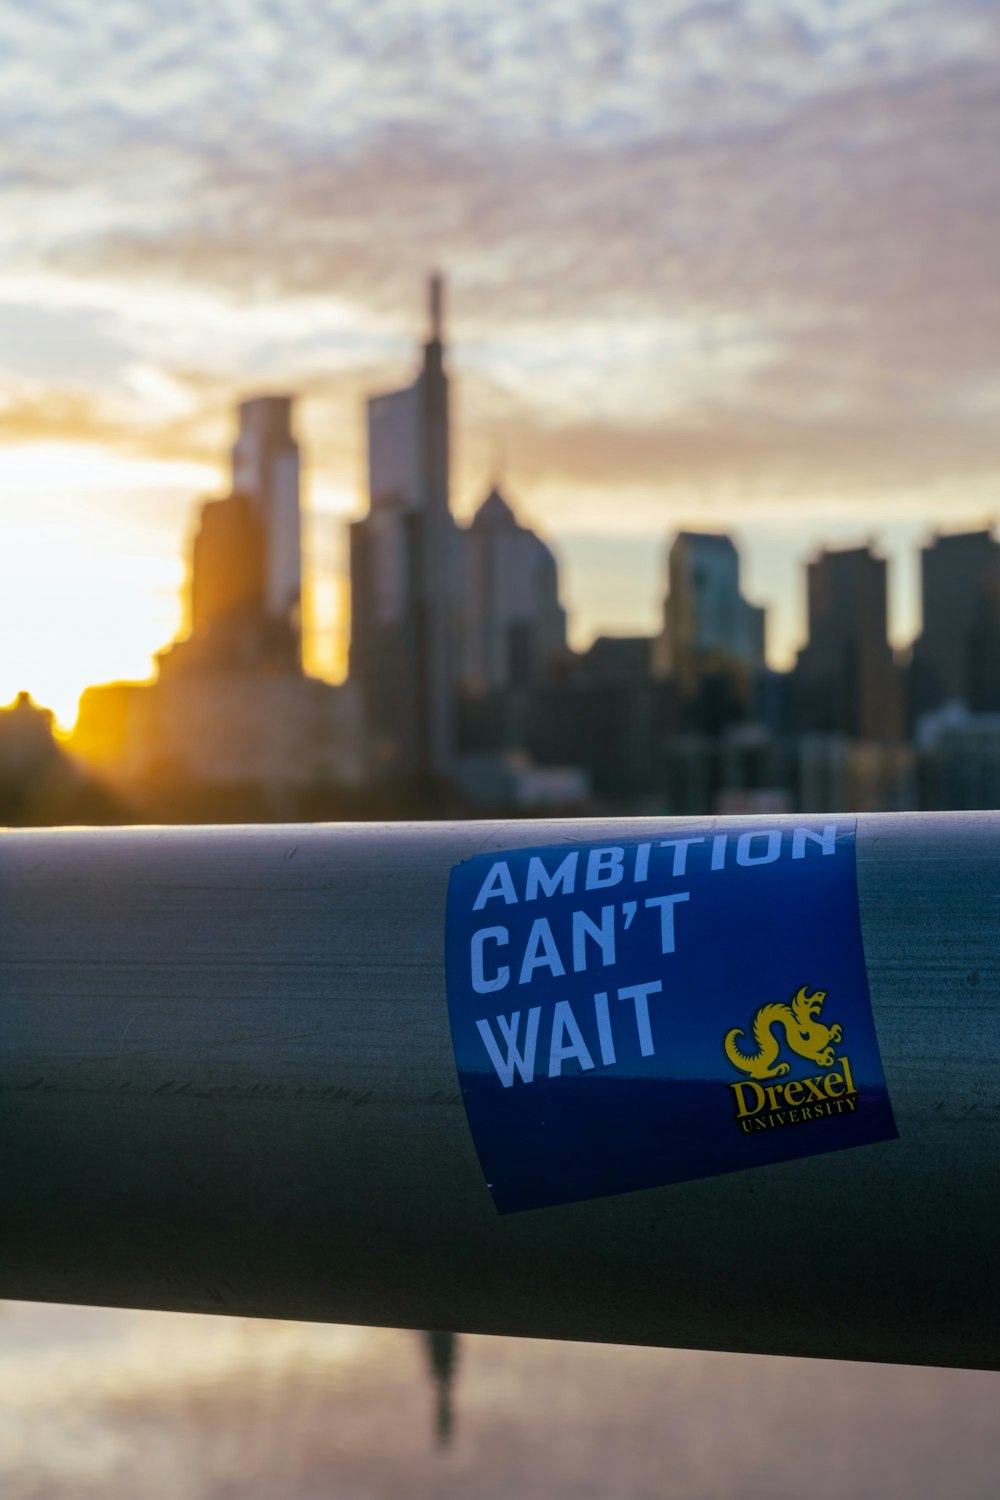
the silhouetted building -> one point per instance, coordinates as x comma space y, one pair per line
39, 783
514, 624
712, 644
230, 705
509, 781
279, 732
846, 680
622, 659
956, 657
227, 565
747, 769
266, 470
958, 759
406, 568
837, 773
245, 576
608, 715
513, 633
230, 625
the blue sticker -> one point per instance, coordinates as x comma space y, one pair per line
630, 1014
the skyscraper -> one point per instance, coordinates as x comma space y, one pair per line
231, 705
228, 562
846, 681
712, 643
406, 569
514, 623
956, 657
266, 470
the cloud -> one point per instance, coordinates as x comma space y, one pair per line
740, 249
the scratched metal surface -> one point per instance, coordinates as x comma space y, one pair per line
226, 1084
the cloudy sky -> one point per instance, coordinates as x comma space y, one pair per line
710, 264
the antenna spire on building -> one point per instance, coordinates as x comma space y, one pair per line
435, 287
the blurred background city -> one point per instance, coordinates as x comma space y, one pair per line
427, 410
414, 413
463, 694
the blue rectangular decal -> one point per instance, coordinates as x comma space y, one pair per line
630, 1014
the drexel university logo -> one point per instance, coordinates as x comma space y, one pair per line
762, 1106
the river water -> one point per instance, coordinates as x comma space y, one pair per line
146, 1406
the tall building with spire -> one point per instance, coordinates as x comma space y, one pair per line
406, 573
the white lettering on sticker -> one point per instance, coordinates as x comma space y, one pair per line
497, 883
563, 877
604, 936
480, 983
523, 1062
540, 952
666, 905
564, 1023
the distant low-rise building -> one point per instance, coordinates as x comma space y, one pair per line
279, 731
749, 769
839, 774
510, 780
958, 760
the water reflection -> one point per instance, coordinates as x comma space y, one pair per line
112, 1405
442, 1356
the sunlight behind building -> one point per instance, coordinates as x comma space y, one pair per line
90, 570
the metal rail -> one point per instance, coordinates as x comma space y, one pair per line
227, 1084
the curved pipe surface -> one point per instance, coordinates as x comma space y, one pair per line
227, 1084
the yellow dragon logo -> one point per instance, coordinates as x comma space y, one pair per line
804, 1034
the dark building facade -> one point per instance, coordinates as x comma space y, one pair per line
265, 459
229, 621
712, 643
246, 568
956, 657
514, 626
608, 713
405, 559
846, 680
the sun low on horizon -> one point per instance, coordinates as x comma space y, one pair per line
88, 594
93, 570
724, 267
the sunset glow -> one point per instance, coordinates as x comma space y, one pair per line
713, 265
89, 581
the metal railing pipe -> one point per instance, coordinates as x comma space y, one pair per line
227, 1084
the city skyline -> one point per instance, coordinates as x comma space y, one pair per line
648, 624
462, 690
726, 267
